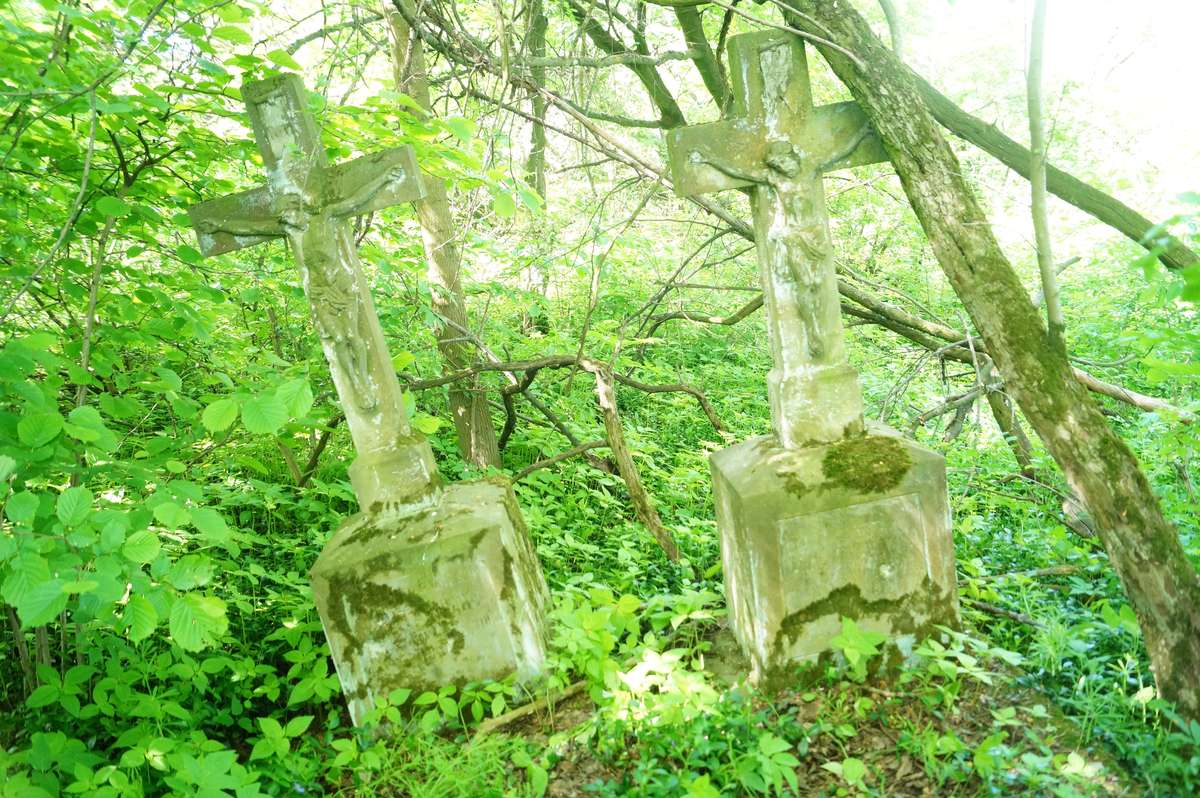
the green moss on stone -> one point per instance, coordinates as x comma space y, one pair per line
870, 465
917, 613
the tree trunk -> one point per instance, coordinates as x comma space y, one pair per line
468, 403
535, 43
1162, 585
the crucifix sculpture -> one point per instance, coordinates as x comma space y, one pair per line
309, 203
830, 517
429, 584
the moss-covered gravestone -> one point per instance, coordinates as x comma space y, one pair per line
428, 584
828, 517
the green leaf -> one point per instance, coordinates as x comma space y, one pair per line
190, 571
219, 415
270, 727
42, 603
171, 515
503, 204
403, 359
44, 696
297, 396
262, 749
141, 618
210, 524
853, 770
231, 33
74, 506
463, 129
26, 571
196, 621
298, 725
425, 423
111, 206
264, 414
38, 429
142, 546
86, 424
21, 507
7, 467
284, 59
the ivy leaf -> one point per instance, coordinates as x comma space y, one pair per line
141, 618
219, 415
38, 429
264, 414
196, 621
74, 506
42, 603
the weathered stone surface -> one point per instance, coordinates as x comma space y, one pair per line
858, 528
419, 595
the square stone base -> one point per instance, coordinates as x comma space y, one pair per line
446, 590
859, 528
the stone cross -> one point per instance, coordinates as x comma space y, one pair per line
309, 203
428, 585
830, 517
779, 145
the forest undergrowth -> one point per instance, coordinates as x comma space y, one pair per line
1046, 690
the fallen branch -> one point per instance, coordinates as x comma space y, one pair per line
558, 458
606, 397
992, 609
513, 715
1054, 570
565, 361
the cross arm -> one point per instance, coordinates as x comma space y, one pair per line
840, 136
715, 157
235, 221
372, 182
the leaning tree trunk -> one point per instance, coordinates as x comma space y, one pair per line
468, 403
1144, 548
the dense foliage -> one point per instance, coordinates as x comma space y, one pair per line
171, 462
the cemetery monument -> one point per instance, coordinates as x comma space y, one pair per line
428, 584
829, 517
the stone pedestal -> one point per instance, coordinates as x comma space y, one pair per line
858, 528
446, 590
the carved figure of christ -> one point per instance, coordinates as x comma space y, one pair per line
777, 144
309, 202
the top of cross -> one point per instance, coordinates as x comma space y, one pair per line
772, 105
289, 140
